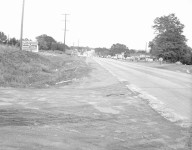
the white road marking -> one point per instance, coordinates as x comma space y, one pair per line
159, 106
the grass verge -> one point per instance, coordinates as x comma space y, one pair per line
27, 69
168, 66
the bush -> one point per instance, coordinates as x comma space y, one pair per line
186, 59
170, 56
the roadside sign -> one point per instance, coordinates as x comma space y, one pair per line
161, 60
30, 46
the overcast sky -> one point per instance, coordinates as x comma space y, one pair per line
95, 23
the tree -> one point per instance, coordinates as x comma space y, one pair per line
102, 51
13, 41
118, 48
45, 42
169, 41
129, 53
54, 46
187, 58
3, 38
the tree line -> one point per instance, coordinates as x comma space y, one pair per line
117, 49
4, 39
169, 42
45, 42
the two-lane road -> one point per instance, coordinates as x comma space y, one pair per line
173, 89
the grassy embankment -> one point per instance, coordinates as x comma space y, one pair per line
169, 66
27, 69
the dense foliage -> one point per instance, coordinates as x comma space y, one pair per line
4, 39
115, 49
102, 51
45, 42
49, 43
118, 49
169, 43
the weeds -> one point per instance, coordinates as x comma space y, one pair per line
27, 69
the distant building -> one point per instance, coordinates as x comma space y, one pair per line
120, 56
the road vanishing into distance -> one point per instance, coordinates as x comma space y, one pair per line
168, 90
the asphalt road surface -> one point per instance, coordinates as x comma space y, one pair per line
170, 90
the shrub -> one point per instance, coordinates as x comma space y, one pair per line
170, 56
186, 59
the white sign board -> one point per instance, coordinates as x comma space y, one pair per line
30, 46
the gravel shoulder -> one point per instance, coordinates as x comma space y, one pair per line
97, 112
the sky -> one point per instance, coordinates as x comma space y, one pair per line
93, 23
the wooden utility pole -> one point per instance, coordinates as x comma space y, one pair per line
22, 18
65, 30
146, 47
145, 51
